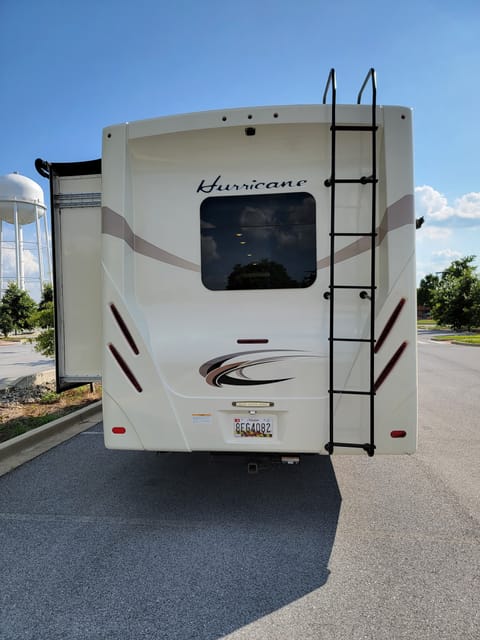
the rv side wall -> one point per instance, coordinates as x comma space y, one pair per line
76, 216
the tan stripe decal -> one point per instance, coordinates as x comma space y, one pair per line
115, 225
397, 215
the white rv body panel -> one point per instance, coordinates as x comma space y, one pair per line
76, 222
177, 354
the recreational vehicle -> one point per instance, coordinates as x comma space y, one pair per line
243, 280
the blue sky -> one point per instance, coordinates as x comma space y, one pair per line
70, 68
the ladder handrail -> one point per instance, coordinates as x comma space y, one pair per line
330, 182
371, 74
332, 80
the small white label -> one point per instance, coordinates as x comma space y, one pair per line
202, 418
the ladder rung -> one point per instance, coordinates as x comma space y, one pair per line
356, 445
353, 127
369, 447
351, 392
362, 180
354, 235
352, 286
352, 340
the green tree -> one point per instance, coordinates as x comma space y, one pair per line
427, 288
44, 318
44, 315
476, 304
45, 342
19, 307
456, 300
6, 322
47, 296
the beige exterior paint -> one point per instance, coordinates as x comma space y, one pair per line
155, 359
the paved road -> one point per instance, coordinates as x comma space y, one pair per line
449, 401
18, 360
112, 545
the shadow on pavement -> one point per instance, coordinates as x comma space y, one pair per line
170, 545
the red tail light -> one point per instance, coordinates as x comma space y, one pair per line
398, 433
118, 430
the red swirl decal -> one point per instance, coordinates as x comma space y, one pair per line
219, 371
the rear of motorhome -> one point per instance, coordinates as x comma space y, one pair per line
243, 280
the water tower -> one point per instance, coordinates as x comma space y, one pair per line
24, 247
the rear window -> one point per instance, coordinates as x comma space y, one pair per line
258, 241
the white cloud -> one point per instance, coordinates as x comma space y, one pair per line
432, 204
434, 233
447, 234
30, 270
446, 256
468, 206
436, 209
30, 262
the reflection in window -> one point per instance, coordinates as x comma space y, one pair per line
258, 241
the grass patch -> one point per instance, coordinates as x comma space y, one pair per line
19, 417
461, 338
429, 324
468, 339
50, 397
16, 427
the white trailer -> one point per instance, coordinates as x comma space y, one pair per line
243, 280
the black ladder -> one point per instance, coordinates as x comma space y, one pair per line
366, 291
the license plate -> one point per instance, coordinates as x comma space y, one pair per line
254, 427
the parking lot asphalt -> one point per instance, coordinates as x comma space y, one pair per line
18, 360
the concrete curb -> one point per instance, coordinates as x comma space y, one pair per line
21, 449
462, 344
23, 382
